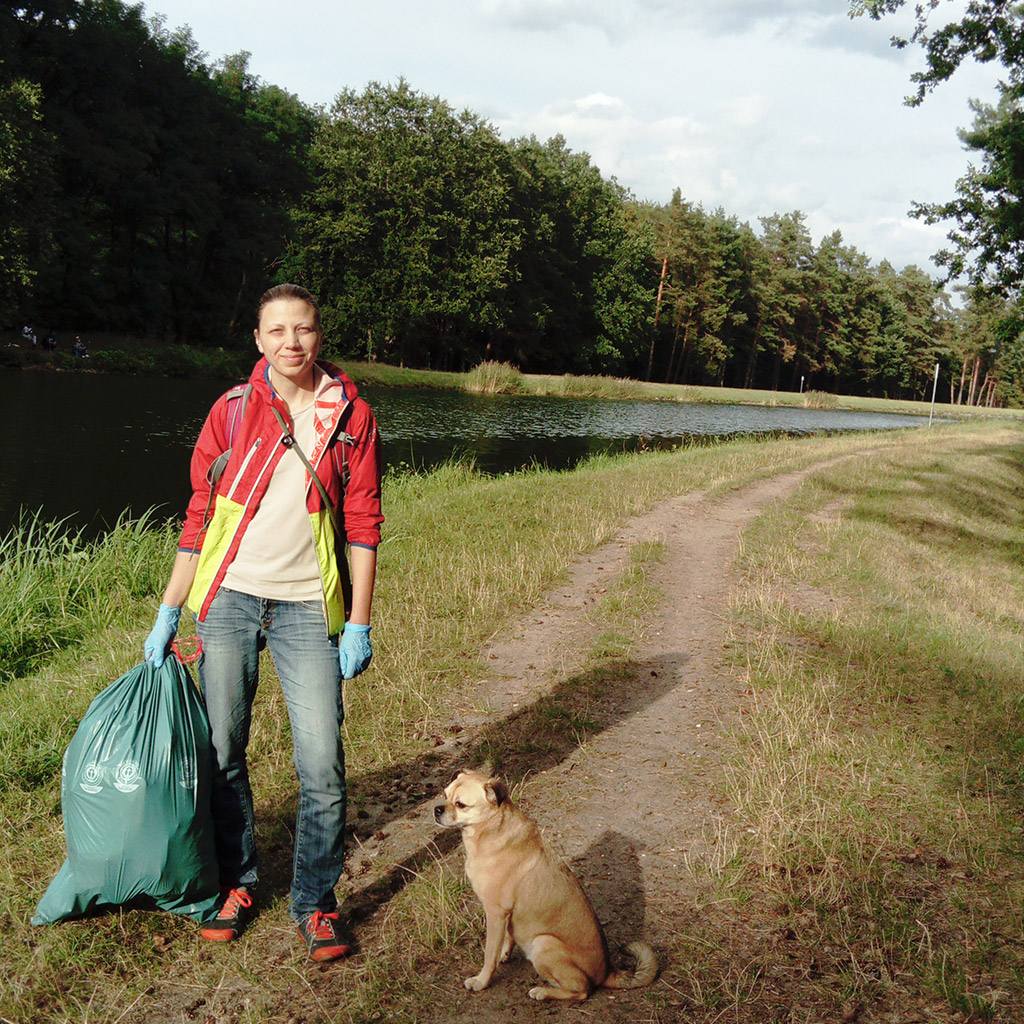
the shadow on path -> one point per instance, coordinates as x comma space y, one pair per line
534, 738
610, 872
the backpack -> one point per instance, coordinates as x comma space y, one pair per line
238, 399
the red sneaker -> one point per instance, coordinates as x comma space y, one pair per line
230, 922
320, 933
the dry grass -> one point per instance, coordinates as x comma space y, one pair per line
820, 400
877, 837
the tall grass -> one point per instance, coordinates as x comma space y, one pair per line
571, 386
820, 400
494, 378
56, 588
70, 611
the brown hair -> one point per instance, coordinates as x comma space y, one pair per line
288, 291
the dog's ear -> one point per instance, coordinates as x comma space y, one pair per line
455, 775
497, 791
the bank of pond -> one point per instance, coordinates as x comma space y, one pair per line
90, 447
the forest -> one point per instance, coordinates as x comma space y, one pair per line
159, 198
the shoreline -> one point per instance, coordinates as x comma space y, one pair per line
138, 357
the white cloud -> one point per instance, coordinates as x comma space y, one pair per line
759, 106
744, 111
602, 106
902, 241
816, 22
556, 15
858, 36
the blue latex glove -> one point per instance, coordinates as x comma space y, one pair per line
354, 650
161, 635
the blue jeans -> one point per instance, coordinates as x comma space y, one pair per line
236, 629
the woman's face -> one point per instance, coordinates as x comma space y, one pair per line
289, 336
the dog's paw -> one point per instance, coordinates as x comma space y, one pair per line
476, 983
539, 992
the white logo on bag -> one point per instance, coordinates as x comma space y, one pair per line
126, 778
187, 773
92, 778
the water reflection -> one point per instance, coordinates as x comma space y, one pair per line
89, 446
424, 427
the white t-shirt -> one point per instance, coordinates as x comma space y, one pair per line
276, 558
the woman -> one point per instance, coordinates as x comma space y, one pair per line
261, 562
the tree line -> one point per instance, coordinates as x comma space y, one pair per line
144, 189
148, 190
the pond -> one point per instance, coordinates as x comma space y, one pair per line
91, 446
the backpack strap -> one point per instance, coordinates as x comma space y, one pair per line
236, 413
288, 440
237, 410
339, 450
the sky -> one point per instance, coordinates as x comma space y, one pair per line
754, 106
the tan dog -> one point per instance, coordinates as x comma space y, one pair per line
531, 897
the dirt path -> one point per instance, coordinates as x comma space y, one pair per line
628, 808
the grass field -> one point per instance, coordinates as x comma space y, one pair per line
877, 781
877, 836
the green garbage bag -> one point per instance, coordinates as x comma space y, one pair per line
135, 794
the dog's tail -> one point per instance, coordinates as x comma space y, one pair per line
644, 973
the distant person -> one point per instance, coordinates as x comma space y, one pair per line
50, 342
78, 348
28, 335
268, 568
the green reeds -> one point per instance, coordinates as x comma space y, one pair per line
56, 587
569, 386
494, 378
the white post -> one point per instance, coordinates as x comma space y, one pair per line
801, 383
935, 385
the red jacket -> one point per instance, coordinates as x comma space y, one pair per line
346, 439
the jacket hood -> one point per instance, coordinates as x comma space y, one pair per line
332, 370
260, 378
